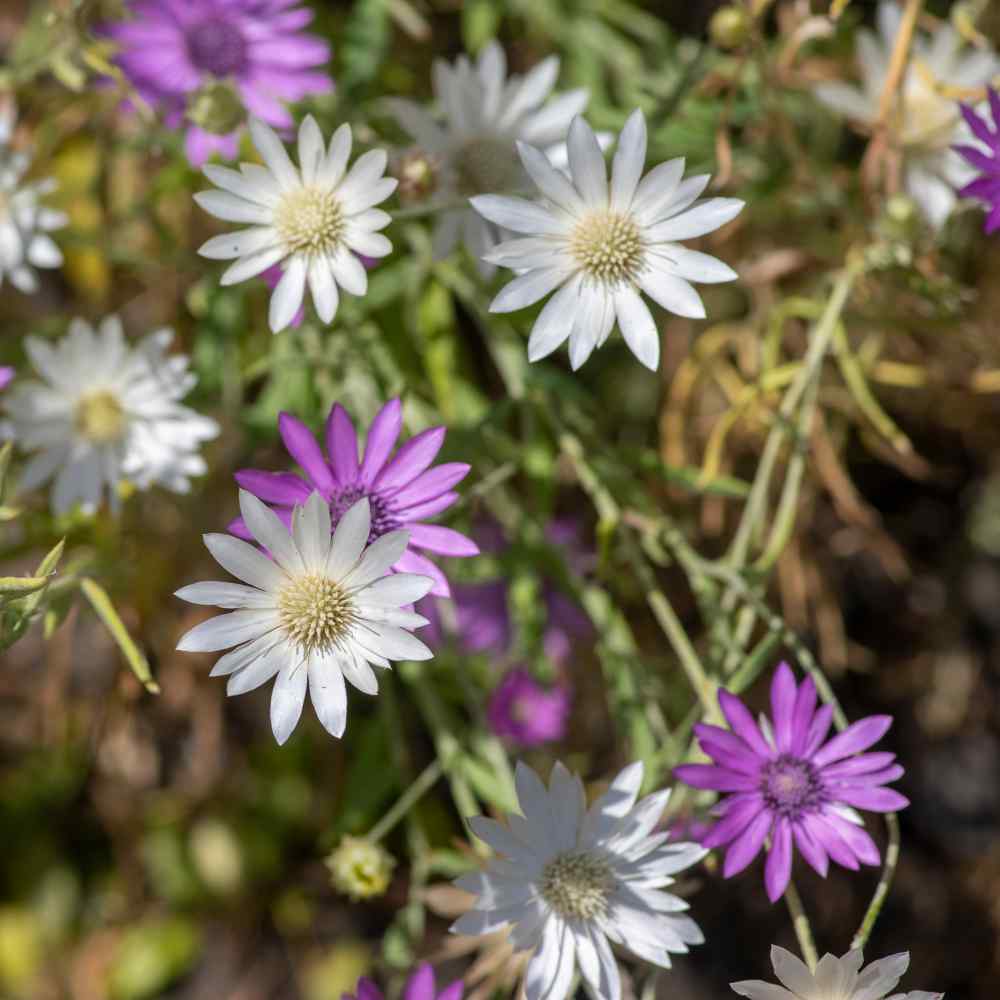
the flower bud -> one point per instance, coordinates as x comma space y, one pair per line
729, 27
360, 868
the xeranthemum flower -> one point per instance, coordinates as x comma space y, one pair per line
402, 490
105, 412
792, 786
987, 187
319, 611
574, 880
927, 120
834, 979
313, 219
420, 986
602, 244
473, 151
25, 223
172, 51
522, 710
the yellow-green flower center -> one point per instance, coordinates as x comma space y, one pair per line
100, 418
608, 247
310, 220
315, 612
576, 884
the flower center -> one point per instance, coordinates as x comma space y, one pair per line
315, 612
576, 884
100, 418
311, 221
608, 247
217, 46
791, 786
485, 165
383, 519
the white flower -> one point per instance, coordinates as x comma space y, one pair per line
574, 880
834, 979
485, 112
320, 610
313, 219
105, 412
927, 121
602, 244
24, 221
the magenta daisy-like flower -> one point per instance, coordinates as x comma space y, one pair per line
792, 785
403, 489
420, 986
986, 187
175, 51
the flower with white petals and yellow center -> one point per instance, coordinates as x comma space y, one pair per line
600, 246
314, 219
485, 112
25, 222
833, 979
104, 412
320, 610
926, 121
574, 880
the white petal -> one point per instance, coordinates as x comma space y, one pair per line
362, 177
274, 154
637, 327
231, 208
704, 218
260, 669
332, 168
629, 161
227, 630
555, 321
695, 266
43, 251
225, 595
519, 215
657, 188
323, 289
349, 539
259, 188
397, 590
551, 182
250, 267
243, 656
349, 272
311, 532
390, 641
526, 289
367, 243
244, 561
287, 698
312, 149
239, 244
357, 672
673, 293
328, 694
286, 299
586, 162
270, 532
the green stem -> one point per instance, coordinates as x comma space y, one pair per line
425, 781
803, 930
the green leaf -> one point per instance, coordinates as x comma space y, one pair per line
101, 603
365, 43
13, 587
480, 22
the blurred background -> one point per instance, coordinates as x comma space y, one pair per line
163, 846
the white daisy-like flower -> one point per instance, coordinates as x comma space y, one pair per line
834, 979
105, 412
313, 219
602, 244
320, 610
25, 222
927, 121
574, 880
473, 152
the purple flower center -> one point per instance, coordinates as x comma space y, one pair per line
383, 519
217, 46
791, 786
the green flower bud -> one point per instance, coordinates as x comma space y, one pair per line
216, 107
729, 27
360, 868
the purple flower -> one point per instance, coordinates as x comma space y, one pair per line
403, 490
793, 786
987, 187
6, 376
524, 711
420, 986
170, 50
